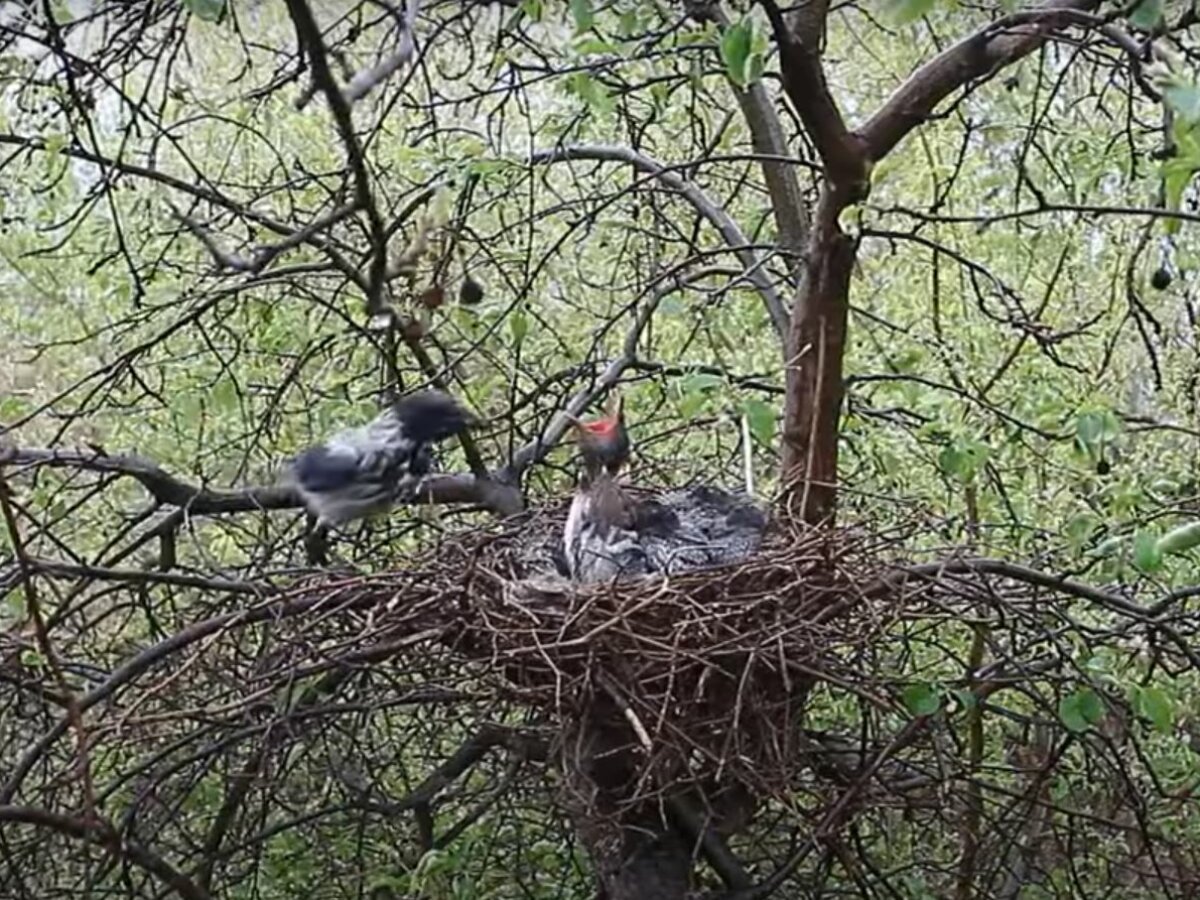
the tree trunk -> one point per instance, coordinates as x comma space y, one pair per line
641, 858
817, 345
636, 852
645, 840
817, 335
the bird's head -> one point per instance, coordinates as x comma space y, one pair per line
604, 442
430, 416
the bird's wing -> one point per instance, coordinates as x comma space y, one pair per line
697, 527
370, 455
327, 467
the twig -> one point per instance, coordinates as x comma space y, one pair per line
365, 81
714, 213
74, 711
122, 847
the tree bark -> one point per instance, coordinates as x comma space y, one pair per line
817, 332
816, 340
645, 844
817, 347
636, 853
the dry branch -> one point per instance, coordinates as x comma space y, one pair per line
170, 490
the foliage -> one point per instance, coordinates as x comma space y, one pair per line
1012, 381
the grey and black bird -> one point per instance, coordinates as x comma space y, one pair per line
599, 542
364, 471
610, 534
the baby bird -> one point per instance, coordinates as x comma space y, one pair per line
599, 542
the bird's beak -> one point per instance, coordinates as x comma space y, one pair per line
576, 422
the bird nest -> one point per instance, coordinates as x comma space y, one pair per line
706, 672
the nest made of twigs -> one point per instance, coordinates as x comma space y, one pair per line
708, 671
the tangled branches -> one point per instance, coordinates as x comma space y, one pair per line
817, 703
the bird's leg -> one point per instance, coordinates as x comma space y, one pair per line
316, 541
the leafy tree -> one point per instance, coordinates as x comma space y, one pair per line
925, 264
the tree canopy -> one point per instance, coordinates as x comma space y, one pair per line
919, 273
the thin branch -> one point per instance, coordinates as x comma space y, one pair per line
366, 81
133, 668
310, 38
34, 608
264, 255
123, 847
56, 568
712, 211
554, 432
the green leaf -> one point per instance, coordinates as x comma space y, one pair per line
590, 91
1147, 15
594, 46
905, 11
921, 699
1094, 430
518, 326
1183, 96
208, 10
754, 68
533, 9
1177, 172
966, 699
1080, 528
1081, 710
583, 14
736, 42
698, 382
1155, 705
1146, 553
1180, 539
693, 391
962, 458
760, 416
14, 608
55, 142
12, 408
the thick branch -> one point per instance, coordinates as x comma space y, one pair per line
788, 205
699, 832
170, 490
799, 36
980, 55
